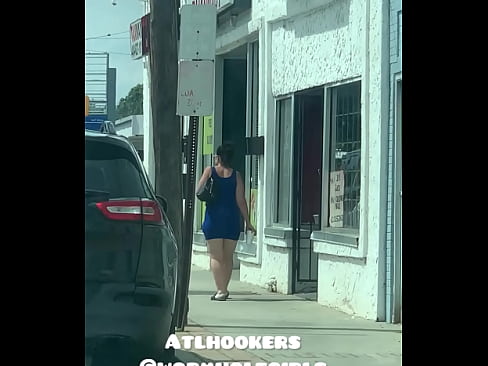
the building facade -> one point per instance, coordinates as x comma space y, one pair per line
320, 82
314, 79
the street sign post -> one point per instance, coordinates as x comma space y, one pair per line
195, 88
196, 66
195, 98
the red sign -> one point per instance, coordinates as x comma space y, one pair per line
139, 37
146, 26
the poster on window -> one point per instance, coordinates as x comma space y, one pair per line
336, 202
253, 206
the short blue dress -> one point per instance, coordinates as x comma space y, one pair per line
222, 217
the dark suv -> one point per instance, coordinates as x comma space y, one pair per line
130, 252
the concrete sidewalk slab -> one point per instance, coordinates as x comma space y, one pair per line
327, 335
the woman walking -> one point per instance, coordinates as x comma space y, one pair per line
221, 225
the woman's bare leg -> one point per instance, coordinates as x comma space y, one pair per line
216, 251
228, 253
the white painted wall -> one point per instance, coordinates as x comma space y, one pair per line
276, 264
354, 285
319, 47
303, 44
273, 259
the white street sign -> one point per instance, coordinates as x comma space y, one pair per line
198, 32
195, 88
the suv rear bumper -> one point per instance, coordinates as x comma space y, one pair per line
146, 327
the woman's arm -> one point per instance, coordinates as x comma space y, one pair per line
203, 179
241, 202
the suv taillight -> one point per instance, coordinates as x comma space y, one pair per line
131, 210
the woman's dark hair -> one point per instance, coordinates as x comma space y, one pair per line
226, 153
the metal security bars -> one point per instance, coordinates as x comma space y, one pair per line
345, 153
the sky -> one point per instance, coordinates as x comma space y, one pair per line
101, 18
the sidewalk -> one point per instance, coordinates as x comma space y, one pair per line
326, 335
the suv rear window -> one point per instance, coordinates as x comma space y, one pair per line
113, 169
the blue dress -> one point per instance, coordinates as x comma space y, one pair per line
222, 217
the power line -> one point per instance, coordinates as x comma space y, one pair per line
107, 35
105, 39
115, 53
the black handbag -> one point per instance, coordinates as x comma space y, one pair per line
208, 192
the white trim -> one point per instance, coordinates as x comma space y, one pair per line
397, 206
230, 38
338, 250
299, 12
279, 243
276, 159
383, 155
326, 135
219, 100
365, 92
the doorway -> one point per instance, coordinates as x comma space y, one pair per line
234, 107
307, 186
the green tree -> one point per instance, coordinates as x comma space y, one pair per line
131, 104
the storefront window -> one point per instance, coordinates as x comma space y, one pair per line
252, 127
284, 153
345, 156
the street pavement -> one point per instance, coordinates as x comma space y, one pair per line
327, 335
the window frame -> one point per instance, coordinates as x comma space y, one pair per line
330, 106
253, 127
275, 220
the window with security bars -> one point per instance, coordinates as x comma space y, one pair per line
345, 156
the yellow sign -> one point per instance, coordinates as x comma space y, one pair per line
208, 131
87, 105
253, 205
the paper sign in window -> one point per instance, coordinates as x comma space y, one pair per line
336, 199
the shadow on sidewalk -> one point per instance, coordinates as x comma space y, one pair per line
210, 293
296, 327
268, 300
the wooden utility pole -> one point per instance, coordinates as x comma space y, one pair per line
166, 124
167, 134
